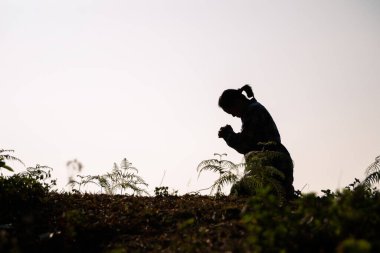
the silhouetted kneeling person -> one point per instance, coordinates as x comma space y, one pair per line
257, 127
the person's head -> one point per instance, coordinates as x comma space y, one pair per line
234, 102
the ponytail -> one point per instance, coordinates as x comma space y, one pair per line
230, 96
248, 90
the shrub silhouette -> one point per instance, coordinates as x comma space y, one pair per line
20, 193
40, 173
260, 172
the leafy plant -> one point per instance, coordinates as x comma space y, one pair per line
122, 177
260, 172
42, 174
19, 193
83, 180
5, 156
373, 173
228, 172
22, 192
313, 223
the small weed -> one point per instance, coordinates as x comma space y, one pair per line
163, 191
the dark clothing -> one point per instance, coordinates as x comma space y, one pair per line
258, 128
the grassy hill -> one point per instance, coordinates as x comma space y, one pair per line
36, 220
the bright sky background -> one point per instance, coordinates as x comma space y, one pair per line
102, 80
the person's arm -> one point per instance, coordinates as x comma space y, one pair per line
238, 141
258, 127
242, 142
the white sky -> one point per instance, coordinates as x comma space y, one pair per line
103, 80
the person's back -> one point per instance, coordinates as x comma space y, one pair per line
258, 126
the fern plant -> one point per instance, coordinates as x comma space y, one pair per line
228, 172
82, 181
373, 173
122, 178
260, 172
5, 156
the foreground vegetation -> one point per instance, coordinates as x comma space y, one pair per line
40, 221
34, 218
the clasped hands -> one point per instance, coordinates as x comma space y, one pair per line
225, 131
